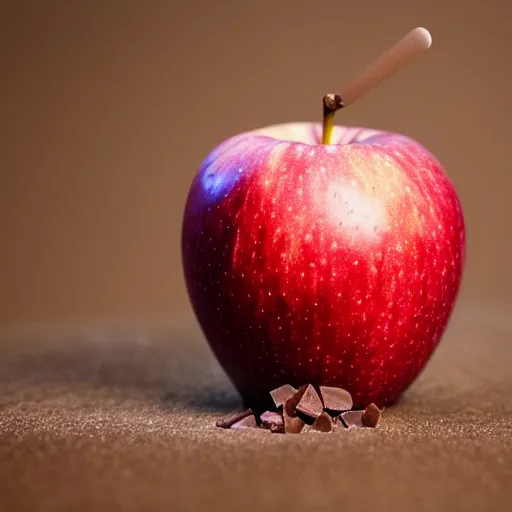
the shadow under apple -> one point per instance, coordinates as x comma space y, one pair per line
167, 368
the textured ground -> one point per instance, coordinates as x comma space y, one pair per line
125, 421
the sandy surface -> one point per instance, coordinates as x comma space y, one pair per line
112, 420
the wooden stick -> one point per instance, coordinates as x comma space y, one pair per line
402, 53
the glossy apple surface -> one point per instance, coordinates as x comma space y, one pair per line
333, 265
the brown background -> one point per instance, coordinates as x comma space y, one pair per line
108, 107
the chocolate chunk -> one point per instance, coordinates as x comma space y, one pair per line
323, 423
290, 405
310, 404
232, 418
277, 429
281, 394
272, 421
247, 422
371, 416
352, 419
292, 423
336, 400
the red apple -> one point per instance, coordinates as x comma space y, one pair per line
334, 265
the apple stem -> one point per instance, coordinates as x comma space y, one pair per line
331, 103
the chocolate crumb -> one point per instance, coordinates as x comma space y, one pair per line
352, 419
247, 422
233, 418
281, 394
336, 400
323, 423
310, 404
272, 421
277, 429
371, 416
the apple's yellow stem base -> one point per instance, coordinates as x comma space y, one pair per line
328, 128
332, 103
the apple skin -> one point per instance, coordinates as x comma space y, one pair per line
333, 265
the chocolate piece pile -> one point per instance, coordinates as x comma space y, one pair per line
306, 409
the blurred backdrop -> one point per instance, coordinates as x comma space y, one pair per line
108, 108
